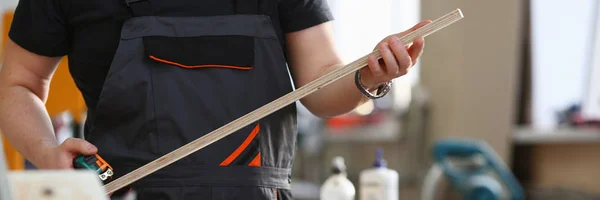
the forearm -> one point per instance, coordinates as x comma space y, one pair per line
25, 122
339, 97
312, 55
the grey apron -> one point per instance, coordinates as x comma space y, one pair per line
175, 79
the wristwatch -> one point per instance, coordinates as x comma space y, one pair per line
382, 90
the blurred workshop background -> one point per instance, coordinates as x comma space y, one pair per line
520, 76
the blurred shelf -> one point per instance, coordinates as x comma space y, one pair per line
387, 131
528, 135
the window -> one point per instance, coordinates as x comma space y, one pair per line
561, 38
591, 103
360, 25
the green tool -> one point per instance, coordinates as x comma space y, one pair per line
94, 163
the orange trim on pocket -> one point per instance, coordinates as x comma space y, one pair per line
241, 148
199, 66
256, 161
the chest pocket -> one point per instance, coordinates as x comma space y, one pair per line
228, 51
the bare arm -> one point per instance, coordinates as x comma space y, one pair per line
24, 84
312, 55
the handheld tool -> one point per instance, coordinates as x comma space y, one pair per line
94, 163
473, 169
271, 107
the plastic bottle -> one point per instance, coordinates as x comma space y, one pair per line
379, 182
337, 186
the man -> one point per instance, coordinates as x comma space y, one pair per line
156, 75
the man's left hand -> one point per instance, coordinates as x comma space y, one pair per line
396, 61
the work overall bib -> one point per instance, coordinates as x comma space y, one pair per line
175, 79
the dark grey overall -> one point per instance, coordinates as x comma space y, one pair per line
175, 79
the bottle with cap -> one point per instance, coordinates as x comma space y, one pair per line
379, 182
337, 186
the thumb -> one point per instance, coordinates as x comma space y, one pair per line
79, 146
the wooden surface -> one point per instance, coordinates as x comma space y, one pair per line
558, 162
568, 166
56, 185
269, 108
526, 135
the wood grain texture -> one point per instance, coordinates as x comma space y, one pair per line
273, 106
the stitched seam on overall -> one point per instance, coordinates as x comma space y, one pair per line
200, 66
154, 109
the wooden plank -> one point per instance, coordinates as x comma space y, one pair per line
273, 106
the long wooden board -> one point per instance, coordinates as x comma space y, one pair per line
271, 107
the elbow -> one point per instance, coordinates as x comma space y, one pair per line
320, 113
9, 88
323, 110
316, 110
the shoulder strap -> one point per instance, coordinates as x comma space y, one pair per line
139, 7
246, 7
144, 8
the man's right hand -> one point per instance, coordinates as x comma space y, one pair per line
62, 156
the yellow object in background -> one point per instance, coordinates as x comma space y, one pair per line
63, 96
6, 20
14, 160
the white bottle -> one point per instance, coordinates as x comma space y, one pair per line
379, 182
337, 186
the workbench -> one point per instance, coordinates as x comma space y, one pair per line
562, 159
